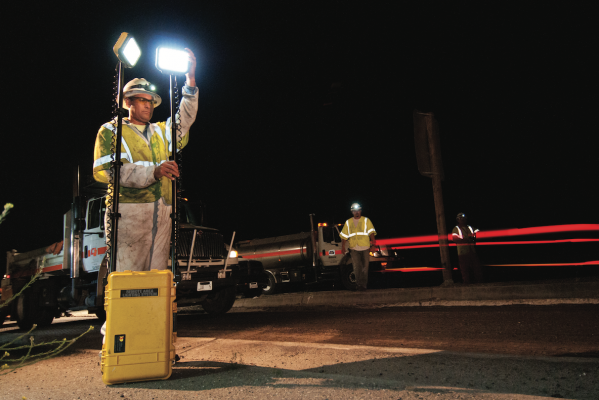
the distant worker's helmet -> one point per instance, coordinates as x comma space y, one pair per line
460, 215
356, 207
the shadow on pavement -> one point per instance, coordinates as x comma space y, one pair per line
436, 373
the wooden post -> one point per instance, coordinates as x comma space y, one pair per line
435, 157
428, 154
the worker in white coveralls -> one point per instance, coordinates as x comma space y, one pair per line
359, 232
144, 228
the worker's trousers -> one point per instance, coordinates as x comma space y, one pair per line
144, 236
470, 268
360, 261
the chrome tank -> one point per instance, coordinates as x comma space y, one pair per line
279, 252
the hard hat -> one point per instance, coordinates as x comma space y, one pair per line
140, 86
356, 207
461, 215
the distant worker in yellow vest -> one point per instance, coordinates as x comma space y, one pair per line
359, 232
465, 238
146, 174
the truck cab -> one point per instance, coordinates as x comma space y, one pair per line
70, 273
94, 242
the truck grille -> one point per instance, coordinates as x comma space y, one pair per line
207, 245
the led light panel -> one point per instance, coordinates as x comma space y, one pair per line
171, 61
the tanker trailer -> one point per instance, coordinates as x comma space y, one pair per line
310, 257
286, 259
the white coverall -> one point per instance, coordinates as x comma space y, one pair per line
145, 226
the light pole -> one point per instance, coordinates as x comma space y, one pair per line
173, 62
127, 52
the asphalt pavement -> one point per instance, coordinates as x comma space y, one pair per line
572, 291
222, 368
212, 368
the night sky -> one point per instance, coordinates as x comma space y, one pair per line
306, 107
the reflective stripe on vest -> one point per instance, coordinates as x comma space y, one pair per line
108, 158
168, 136
366, 227
366, 231
461, 236
349, 234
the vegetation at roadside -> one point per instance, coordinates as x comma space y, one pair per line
7, 208
31, 355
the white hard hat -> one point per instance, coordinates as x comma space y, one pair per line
140, 86
356, 207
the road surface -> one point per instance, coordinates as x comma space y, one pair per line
509, 352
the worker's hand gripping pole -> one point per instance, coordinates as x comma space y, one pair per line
116, 174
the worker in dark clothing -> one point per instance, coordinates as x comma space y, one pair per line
465, 238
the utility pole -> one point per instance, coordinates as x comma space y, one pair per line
428, 156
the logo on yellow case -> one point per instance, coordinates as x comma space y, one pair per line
119, 343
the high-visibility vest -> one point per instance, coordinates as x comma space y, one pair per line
459, 234
463, 248
357, 236
135, 150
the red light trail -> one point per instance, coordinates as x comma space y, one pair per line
497, 233
430, 241
424, 269
421, 246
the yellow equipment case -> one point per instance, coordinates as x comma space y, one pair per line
139, 342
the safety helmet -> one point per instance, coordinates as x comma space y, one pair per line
355, 207
460, 215
140, 86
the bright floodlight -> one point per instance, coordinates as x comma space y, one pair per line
172, 62
127, 50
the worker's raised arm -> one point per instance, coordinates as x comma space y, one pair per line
191, 74
188, 108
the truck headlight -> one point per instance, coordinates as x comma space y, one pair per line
233, 254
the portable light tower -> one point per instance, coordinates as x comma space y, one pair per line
127, 52
173, 62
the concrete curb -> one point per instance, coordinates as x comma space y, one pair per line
568, 292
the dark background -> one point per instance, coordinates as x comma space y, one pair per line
306, 107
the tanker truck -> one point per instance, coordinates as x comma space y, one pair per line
73, 270
309, 257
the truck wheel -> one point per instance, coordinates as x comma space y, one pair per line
348, 278
25, 311
44, 317
28, 311
4, 311
220, 302
272, 287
